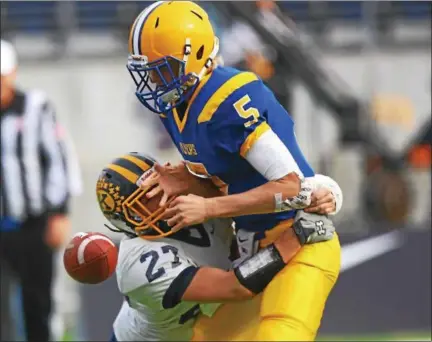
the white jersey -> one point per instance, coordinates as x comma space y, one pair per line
145, 271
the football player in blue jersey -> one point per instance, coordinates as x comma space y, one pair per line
231, 130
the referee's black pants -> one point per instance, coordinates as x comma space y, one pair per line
31, 262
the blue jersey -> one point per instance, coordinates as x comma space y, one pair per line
227, 113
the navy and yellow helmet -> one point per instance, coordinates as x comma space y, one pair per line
122, 201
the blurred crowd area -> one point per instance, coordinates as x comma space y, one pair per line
360, 97
70, 28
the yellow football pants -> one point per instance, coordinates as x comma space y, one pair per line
289, 309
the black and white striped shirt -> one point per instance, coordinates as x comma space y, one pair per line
34, 159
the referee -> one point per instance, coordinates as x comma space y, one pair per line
37, 176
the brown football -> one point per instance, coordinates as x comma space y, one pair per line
90, 258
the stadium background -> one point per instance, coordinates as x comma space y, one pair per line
379, 52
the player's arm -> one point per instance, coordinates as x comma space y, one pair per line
286, 188
213, 285
240, 128
311, 184
251, 136
260, 200
207, 189
204, 187
173, 180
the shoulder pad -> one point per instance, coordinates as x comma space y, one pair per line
223, 93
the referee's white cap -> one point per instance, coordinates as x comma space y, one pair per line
9, 58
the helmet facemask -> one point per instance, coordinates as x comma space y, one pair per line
162, 85
123, 201
147, 223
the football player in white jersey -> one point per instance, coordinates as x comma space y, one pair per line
168, 279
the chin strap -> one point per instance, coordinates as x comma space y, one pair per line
208, 64
115, 230
118, 230
175, 94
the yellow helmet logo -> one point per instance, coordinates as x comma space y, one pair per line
106, 201
108, 196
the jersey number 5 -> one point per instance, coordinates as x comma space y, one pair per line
250, 113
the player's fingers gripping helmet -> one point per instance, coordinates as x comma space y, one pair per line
123, 202
171, 47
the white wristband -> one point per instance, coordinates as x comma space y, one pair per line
278, 202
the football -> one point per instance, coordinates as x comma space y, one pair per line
90, 258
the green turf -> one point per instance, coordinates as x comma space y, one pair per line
68, 337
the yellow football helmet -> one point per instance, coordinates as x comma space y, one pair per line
123, 202
172, 45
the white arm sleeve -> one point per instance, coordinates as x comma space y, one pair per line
270, 157
321, 181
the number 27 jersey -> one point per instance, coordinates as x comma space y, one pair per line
151, 273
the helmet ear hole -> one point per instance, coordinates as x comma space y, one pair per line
157, 22
200, 52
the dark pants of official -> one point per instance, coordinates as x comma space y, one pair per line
31, 262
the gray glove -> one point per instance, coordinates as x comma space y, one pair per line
312, 228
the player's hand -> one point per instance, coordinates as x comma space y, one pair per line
57, 231
185, 211
171, 180
322, 202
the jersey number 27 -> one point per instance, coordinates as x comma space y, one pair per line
153, 274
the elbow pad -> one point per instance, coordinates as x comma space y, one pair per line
256, 272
